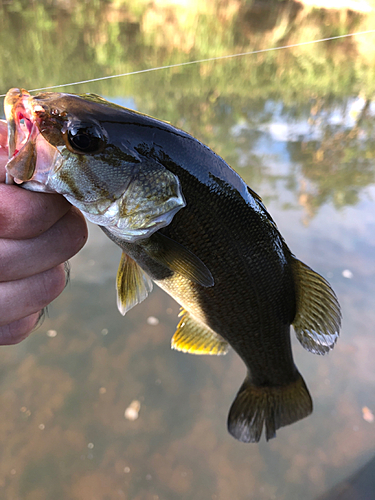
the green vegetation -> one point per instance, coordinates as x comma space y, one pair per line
48, 43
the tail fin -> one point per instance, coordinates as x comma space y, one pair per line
272, 406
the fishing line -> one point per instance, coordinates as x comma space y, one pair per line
199, 61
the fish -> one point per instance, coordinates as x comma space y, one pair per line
186, 221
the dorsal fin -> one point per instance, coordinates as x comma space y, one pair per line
255, 195
318, 317
132, 284
195, 338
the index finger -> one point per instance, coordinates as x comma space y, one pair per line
26, 214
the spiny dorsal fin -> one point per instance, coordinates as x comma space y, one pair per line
179, 259
254, 195
132, 284
195, 338
318, 316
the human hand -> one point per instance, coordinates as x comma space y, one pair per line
38, 233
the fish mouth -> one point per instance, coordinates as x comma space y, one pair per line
31, 157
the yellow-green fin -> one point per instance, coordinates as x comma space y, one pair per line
132, 284
318, 317
193, 337
179, 259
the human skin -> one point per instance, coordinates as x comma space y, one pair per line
38, 233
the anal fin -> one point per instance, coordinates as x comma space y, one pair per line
132, 284
195, 338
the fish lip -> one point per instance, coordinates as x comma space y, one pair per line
23, 115
17, 110
20, 126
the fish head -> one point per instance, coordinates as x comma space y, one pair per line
77, 145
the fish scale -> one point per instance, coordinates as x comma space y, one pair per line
187, 221
242, 322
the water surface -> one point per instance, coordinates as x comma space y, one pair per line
298, 127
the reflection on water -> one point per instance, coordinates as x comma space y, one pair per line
298, 126
359, 486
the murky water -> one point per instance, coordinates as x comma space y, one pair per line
298, 126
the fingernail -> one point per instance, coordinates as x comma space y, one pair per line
42, 316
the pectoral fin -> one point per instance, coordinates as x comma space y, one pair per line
132, 284
318, 317
195, 338
179, 259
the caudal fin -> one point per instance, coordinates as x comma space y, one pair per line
272, 407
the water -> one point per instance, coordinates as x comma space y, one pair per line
298, 126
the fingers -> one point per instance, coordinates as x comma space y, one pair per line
23, 258
14, 332
26, 214
25, 297
38, 232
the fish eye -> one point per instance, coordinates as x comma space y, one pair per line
84, 138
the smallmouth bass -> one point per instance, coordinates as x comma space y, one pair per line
188, 222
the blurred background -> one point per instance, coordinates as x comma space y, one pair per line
95, 406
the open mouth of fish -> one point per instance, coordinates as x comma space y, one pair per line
31, 157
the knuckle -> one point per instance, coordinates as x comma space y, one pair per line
74, 232
51, 284
21, 298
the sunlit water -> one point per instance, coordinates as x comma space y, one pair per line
64, 391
